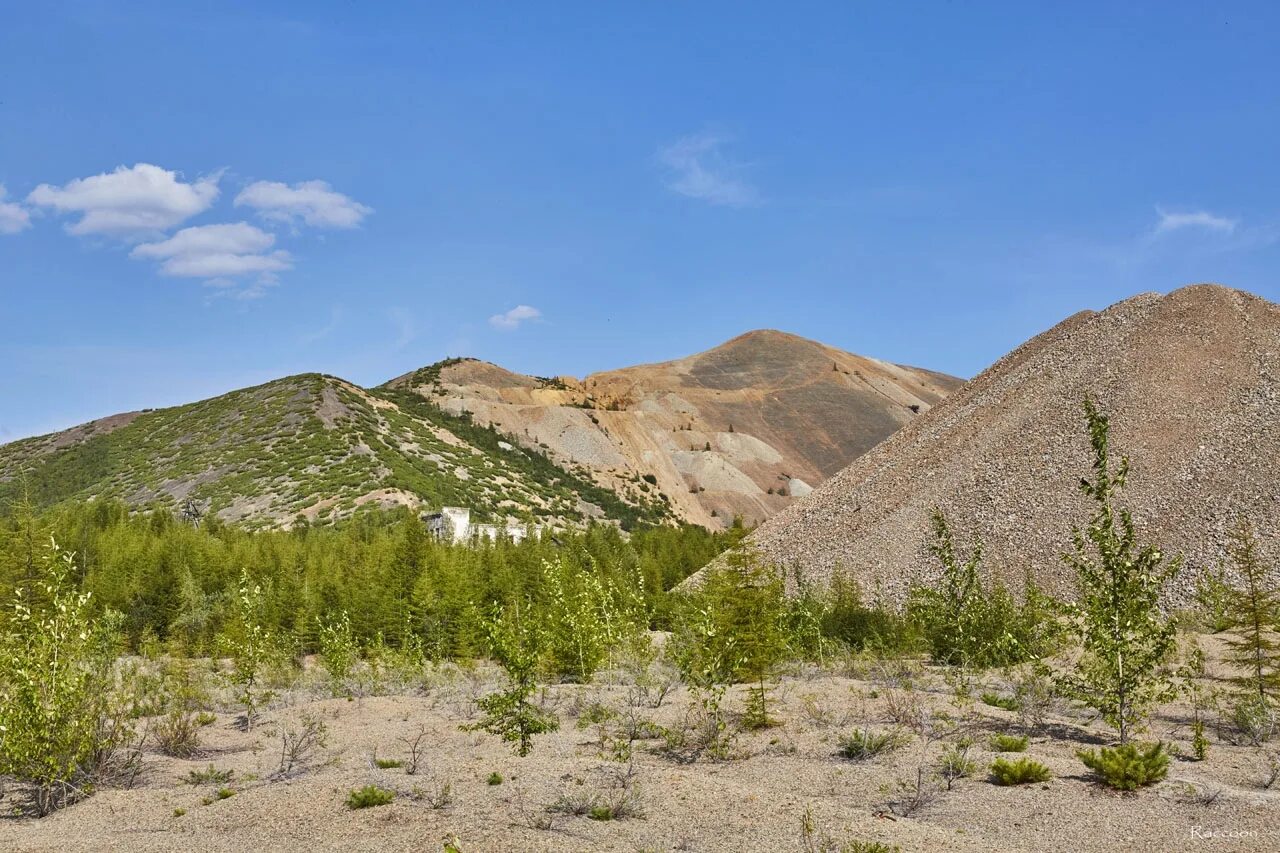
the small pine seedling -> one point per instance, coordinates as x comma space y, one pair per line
1129, 766
1009, 743
369, 796
1024, 771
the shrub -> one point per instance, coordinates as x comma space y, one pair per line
224, 793
1199, 743
967, 622
339, 652
955, 763
864, 627
1214, 595
251, 647
585, 617
1024, 771
387, 763
517, 643
995, 700
299, 743
1253, 719
369, 796
495, 778
864, 744
1009, 743
56, 687
1128, 766
177, 733
209, 776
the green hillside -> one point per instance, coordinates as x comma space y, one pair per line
312, 445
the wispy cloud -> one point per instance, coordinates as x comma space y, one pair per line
13, 217
402, 322
314, 203
699, 169
515, 317
129, 203
336, 316
1202, 219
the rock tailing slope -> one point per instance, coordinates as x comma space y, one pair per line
740, 430
1191, 382
309, 446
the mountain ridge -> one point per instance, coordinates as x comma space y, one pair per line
316, 447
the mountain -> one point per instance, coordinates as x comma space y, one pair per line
740, 430
312, 446
1191, 383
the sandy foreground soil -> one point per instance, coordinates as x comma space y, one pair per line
754, 802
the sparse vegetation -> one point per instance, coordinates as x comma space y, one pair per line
864, 744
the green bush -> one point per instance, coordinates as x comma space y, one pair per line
495, 778
860, 626
972, 623
1129, 766
995, 700
864, 744
369, 796
1009, 743
517, 642
57, 713
1024, 771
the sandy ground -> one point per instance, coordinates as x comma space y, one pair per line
754, 802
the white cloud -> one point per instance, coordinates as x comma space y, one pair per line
513, 318
129, 202
313, 202
1170, 221
13, 217
699, 170
217, 252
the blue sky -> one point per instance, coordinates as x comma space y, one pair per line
202, 196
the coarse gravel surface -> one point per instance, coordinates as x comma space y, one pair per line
754, 802
1191, 384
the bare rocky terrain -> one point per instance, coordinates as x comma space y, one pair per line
1191, 382
755, 800
743, 429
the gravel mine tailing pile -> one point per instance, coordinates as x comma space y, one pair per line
1191, 382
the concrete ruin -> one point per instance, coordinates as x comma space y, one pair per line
453, 524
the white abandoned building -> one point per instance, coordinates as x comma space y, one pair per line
454, 524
